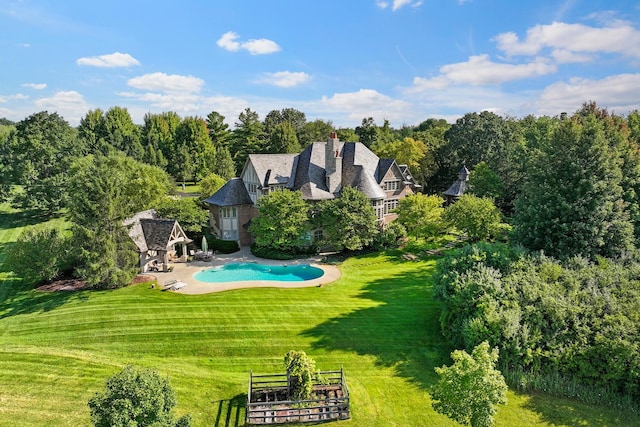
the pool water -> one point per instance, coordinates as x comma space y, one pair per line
237, 272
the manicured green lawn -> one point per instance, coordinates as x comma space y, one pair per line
378, 321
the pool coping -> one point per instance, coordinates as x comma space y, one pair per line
184, 272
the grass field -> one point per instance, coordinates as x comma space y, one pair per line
378, 321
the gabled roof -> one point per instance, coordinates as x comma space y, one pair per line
159, 232
135, 232
152, 233
459, 187
232, 193
383, 167
309, 175
276, 168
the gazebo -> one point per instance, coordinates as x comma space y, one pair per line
156, 240
459, 187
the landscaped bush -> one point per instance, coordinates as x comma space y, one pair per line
576, 320
223, 246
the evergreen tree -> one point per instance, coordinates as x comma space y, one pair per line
249, 137
572, 203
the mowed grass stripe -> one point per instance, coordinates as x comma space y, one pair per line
379, 322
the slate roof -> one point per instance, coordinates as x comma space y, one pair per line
232, 193
367, 184
157, 233
276, 168
135, 232
150, 232
459, 187
307, 172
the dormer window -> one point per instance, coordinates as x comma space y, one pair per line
391, 185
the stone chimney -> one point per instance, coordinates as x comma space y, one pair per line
333, 163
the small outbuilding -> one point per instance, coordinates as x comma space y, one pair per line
157, 240
459, 187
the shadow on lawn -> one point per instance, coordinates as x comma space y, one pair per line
562, 411
231, 412
22, 219
403, 331
18, 297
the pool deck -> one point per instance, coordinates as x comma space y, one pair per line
184, 272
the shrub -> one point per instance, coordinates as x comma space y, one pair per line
136, 397
40, 254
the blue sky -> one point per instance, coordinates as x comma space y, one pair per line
339, 60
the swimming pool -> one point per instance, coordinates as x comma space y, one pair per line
242, 271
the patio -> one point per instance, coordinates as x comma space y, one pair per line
183, 272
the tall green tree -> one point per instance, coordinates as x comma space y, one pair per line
486, 137
41, 150
478, 217
469, 390
92, 132
159, 136
249, 137
367, 132
421, 215
407, 151
317, 130
192, 140
348, 222
572, 203
282, 221
296, 118
431, 132
483, 182
136, 397
284, 139
187, 210
103, 192
220, 136
6, 161
122, 134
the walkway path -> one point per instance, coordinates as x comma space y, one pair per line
184, 272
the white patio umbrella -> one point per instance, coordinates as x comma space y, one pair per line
205, 245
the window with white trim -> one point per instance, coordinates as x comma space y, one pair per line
378, 206
229, 223
391, 185
390, 205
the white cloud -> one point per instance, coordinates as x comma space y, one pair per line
285, 78
162, 82
261, 46
397, 4
228, 41
186, 104
111, 60
619, 37
16, 97
367, 103
563, 56
69, 104
620, 93
36, 86
480, 70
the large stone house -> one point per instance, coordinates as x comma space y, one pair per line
319, 172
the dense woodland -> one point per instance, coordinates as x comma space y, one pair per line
559, 295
